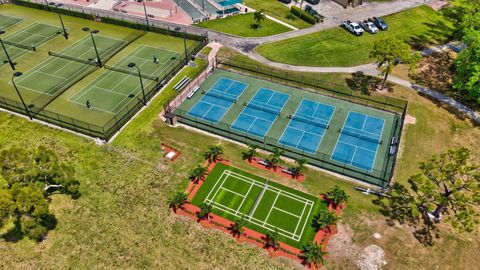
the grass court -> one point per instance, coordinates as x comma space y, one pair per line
7, 21
330, 133
265, 205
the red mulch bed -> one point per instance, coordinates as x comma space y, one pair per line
169, 149
251, 236
277, 170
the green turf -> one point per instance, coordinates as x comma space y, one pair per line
337, 47
6, 21
243, 25
33, 36
236, 194
329, 140
278, 10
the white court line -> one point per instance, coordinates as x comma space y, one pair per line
301, 217
231, 191
288, 213
244, 197
271, 208
218, 181
227, 174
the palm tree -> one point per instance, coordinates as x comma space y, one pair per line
313, 253
258, 17
272, 239
300, 167
274, 158
205, 210
337, 195
197, 173
323, 219
213, 153
177, 200
238, 227
250, 153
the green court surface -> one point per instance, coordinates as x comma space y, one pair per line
27, 39
265, 205
115, 88
316, 132
6, 21
56, 74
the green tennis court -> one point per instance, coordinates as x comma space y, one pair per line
265, 205
115, 88
28, 39
6, 21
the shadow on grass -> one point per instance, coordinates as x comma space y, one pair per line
365, 83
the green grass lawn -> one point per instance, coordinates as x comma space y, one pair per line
242, 25
278, 10
236, 194
337, 47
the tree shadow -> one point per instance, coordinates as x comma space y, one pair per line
15, 234
400, 208
365, 83
255, 26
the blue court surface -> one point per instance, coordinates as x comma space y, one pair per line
307, 127
260, 113
359, 139
218, 100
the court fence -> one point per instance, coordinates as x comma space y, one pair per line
107, 131
380, 178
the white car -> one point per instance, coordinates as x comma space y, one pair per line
369, 27
354, 28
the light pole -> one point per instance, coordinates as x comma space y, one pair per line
15, 75
86, 29
5, 50
65, 34
146, 16
132, 65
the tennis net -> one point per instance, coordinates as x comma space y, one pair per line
308, 121
263, 108
18, 45
67, 57
361, 136
223, 96
130, 72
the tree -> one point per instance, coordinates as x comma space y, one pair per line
324, 218
197, 173
447, 188
391, 52
27, 178
337, 195
213, 153
467, 66
259, 16
313, 253
251, 153
238, 227
177, 200
300, 166
205, 210
274, 158
272, 239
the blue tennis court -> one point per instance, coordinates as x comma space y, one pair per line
260, 113
218, 100
307, 126
359, 139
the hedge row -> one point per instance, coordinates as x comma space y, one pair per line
304, 15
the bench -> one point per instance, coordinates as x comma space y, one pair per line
393, 141
392, 150
264, 162
289, 171
181, 83
195, 89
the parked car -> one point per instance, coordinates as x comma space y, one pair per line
310, 10
313, 2
379, 22
369, 27
354, 28
286, 1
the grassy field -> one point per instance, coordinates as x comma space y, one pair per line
243, 25
278, 10
122, 220
335, 47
